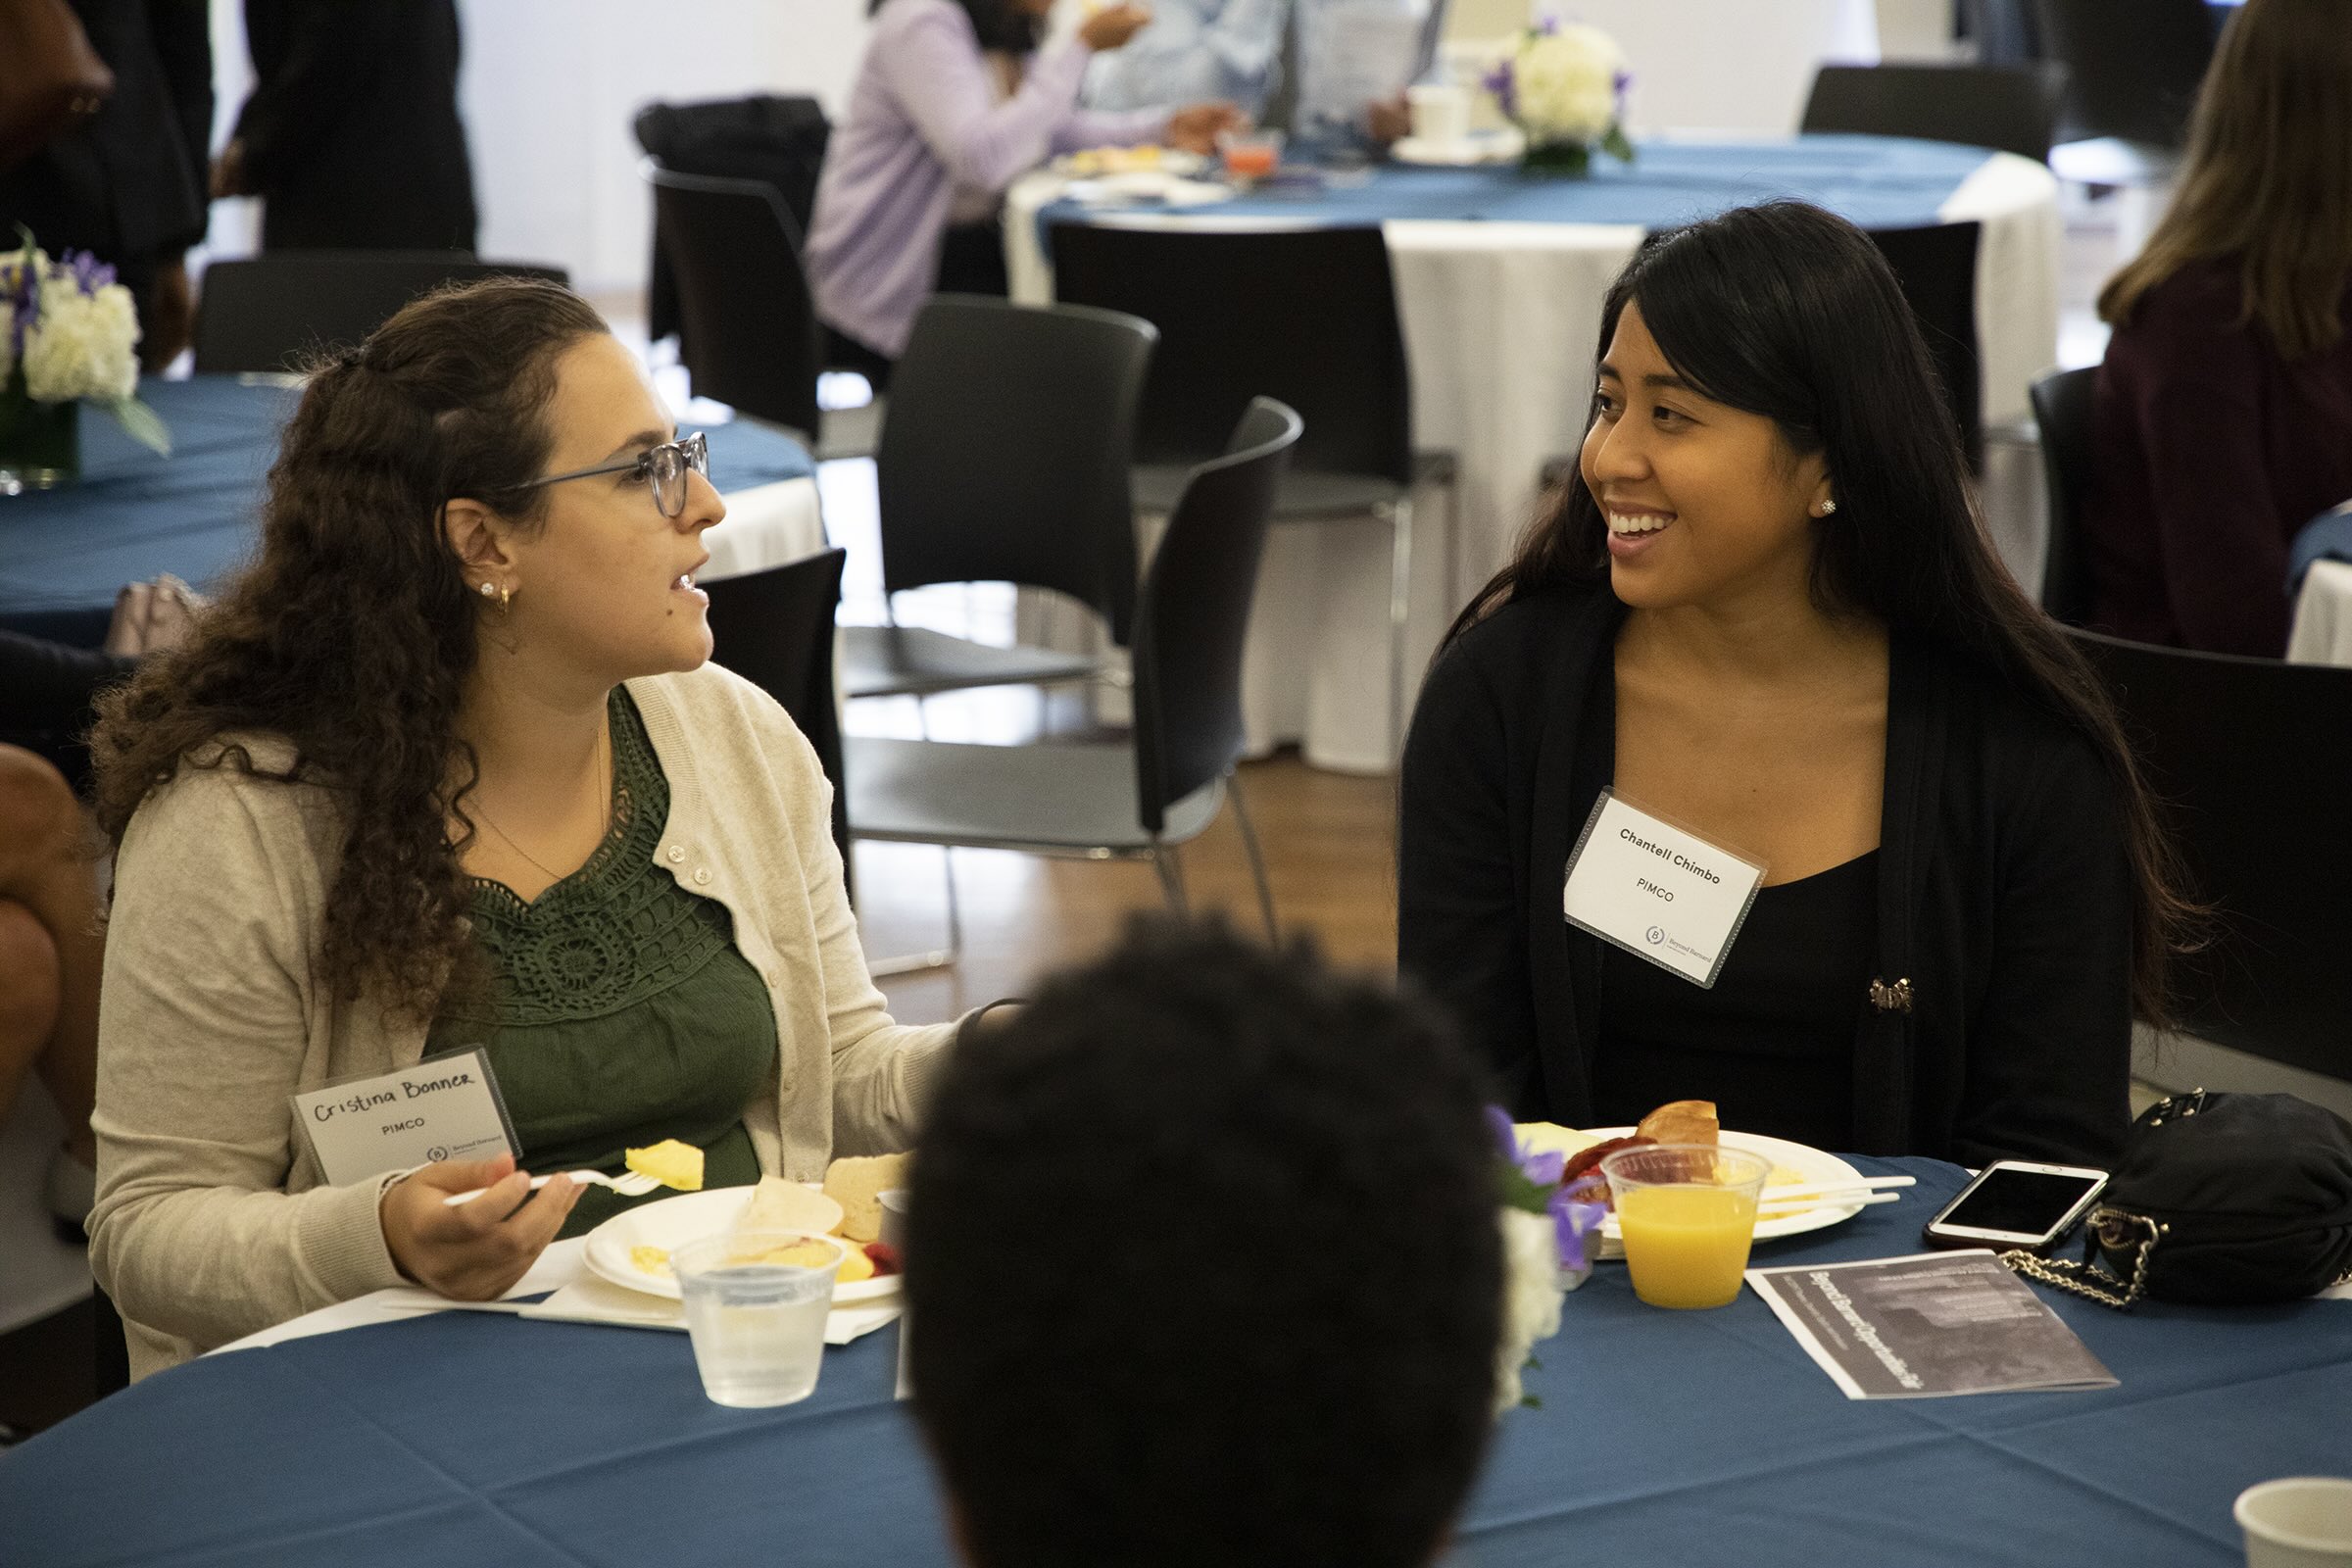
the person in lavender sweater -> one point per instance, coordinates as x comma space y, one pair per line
954, 101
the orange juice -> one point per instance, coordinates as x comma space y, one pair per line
1686, 1247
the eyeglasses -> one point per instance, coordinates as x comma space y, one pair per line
665, 468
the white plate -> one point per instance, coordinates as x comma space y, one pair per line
1803, 1159
1479, 147
1172, 160
674, 1222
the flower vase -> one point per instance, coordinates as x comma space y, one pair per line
40, 443
1557, 160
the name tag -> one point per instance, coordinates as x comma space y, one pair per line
1658, 890
445, 1109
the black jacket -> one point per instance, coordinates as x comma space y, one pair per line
351, 138
126, 185
2004, 895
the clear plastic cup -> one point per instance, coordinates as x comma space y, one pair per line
1250, 155
2299, 1522
757, 1315
1688, 1214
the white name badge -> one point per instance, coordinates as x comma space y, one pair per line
447, 1108
1658, 890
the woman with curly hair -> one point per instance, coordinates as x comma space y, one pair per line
448, 767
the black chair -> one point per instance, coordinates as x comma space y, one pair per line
2013, 108
1308, 316
1005, 460
2005, 32
1937, 266
1138, 799
777, 141
2062, 411
2256, 757
265, 314
749, 334
775, 630
2133, 68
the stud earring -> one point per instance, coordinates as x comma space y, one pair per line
487, 590
1828, 507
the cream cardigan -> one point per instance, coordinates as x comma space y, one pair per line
211, 1221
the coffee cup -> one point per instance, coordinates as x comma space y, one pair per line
1440, 113
2298, 1522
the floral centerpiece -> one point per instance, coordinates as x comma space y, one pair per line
1564, 86
1550, 1235
69, 334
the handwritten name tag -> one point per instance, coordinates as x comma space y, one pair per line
445, 1109
1657, 890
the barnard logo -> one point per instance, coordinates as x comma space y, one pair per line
1656, 933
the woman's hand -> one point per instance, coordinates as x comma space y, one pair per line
1196, 127
152, 616
477, 1251
1113, 25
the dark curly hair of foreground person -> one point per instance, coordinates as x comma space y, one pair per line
1204, 1268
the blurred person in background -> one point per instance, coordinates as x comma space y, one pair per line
351, 136
128, 182
954, 101
2223, 411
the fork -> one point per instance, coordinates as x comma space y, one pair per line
635, 1184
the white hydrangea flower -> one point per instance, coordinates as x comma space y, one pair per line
1566, 85
1530, 1297
83, 344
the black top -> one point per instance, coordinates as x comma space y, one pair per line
2003, 894
1773, 1042
351, 137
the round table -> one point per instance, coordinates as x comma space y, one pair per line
1662, 1437
1499, 281
64, 552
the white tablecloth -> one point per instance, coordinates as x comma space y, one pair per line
2323, 628
766, 526
1500, 320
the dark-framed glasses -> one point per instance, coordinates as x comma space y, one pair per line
665, 468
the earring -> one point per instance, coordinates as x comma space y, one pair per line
504, 594
1828, 507
487, 590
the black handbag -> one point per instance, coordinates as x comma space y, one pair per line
2220, 1200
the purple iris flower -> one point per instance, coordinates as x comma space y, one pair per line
1506, 87
1572, 1221
90, 274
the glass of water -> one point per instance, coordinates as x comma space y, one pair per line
756, 1306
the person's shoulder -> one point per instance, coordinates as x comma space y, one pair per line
2200, 305
2021, 744
1526, 635
235, 799
899, 18
717, 713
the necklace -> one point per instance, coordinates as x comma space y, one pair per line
604, 824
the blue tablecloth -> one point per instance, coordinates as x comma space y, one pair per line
64, 552
1876, 182
1663, 1437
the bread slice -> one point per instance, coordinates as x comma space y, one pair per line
777, 1204
857, 1184
1681, 1121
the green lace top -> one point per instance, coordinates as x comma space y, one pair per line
620, 1012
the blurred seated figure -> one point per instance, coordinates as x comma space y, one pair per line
1228, 50
2223, 422
49, 689
954, 101
49, 962
1276, 1341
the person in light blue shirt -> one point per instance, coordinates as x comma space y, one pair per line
1195, 51
1354, 60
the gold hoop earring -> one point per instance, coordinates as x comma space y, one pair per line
506, 596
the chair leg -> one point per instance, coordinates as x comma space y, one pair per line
1401, 583
946, 958
1171, 876
1258, 861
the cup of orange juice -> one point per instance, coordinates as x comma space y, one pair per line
1250, 155
1686, 1212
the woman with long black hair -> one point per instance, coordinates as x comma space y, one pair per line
1766, 615
954, 101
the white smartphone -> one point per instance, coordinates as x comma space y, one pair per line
2014, 1204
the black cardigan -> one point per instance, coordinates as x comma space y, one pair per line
2004, 895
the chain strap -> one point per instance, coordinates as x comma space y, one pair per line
2080, 1279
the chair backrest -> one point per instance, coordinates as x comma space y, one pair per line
1007, 453
2256, 757
2014, 108
780, 140
266, 313
2062, 412
748, 323
774, 628
2133, 66
1937, 266
1195, 614
2005, 32
1308, 316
